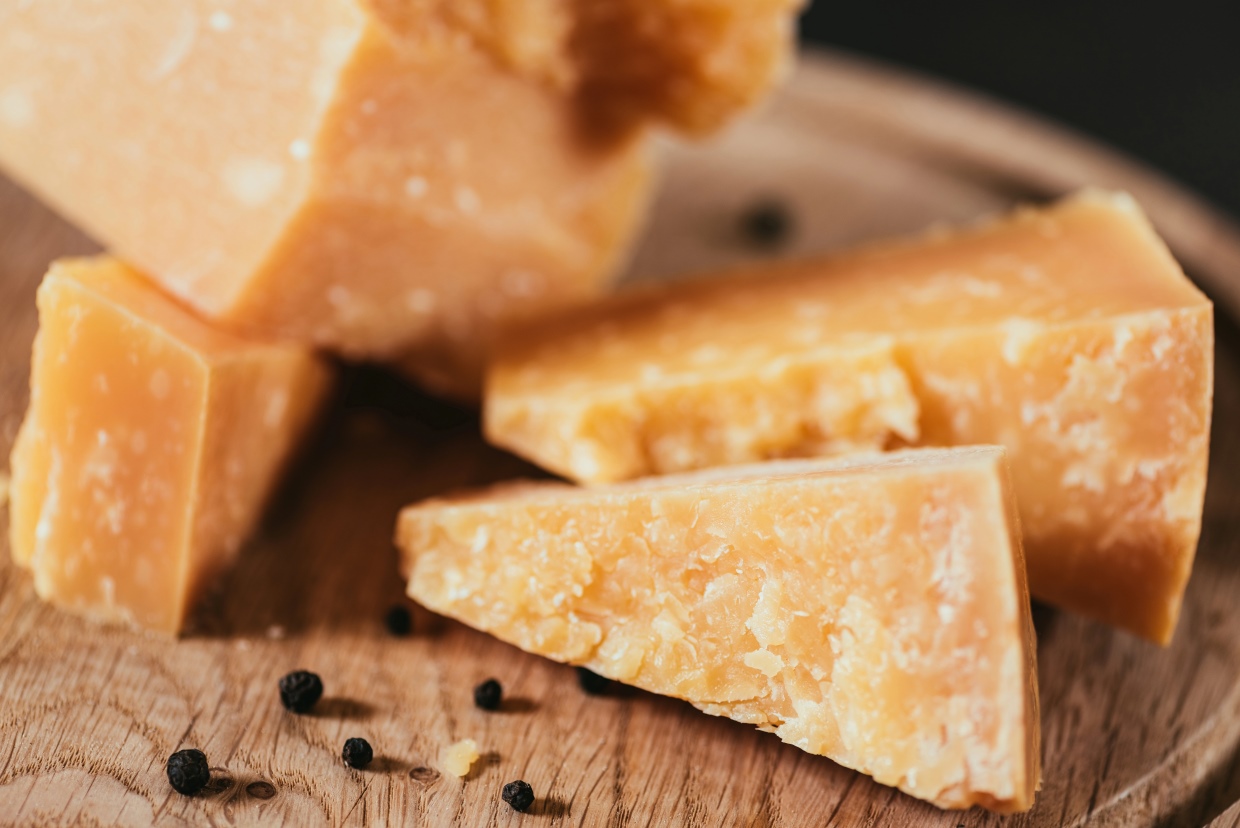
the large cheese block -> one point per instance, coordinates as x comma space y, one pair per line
873, 610
385, 179
150, 445
1067, 334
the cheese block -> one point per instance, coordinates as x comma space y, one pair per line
872, 609
386, 179
1067, 334
691, 64
151, 442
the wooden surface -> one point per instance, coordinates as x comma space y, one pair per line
1228, 819
1133, 734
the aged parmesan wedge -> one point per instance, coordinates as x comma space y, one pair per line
1067, 334
150, 445
872, 609
384, 178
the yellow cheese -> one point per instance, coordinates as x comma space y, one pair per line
689, 63
383, 178
458, 757
1068, 335
871, 609
150, 445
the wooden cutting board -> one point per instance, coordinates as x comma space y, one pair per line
1228, 819
1133, 734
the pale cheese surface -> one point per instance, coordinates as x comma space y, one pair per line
1067, 334
150, 446
873, 610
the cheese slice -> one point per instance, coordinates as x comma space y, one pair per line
1067, 334
871, 609
386, 179
151, 442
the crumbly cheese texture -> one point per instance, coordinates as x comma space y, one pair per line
458, 757
150, 445
870, 609
385, 179
1067, 334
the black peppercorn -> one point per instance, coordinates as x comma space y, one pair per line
593, 683
767, 223
489, 695
357, 753
519, 795
399, 621
299, 691
188, 771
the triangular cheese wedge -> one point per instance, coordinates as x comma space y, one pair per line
873, 610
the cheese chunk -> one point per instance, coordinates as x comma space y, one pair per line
871, 609
150, 445
386, 179
458, 757
1068, 335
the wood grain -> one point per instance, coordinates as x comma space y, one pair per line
1228, 819
1134, 734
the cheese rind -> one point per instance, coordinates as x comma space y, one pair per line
1068, 335
387, 180
150, 446
689, 63
872, 609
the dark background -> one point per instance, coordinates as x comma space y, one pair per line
1158, 80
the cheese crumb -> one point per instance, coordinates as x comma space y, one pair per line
467, 200
16, 107
415, 186
765, 662
253, 181
457, 758
220, 21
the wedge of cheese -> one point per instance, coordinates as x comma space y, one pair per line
386, 179
1067, 334
151, 443
871, 609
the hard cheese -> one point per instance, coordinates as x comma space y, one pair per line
386, 179
1067, 334
872, 610
150, 445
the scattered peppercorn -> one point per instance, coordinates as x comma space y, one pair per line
188, 771
593, 683
767, 223
399, 621
357, 753
299, 691
489, 695
519, 795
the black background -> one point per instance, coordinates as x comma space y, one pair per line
1158, 80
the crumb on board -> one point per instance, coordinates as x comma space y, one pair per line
458, 757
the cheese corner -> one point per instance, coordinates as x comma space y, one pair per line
150, 445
